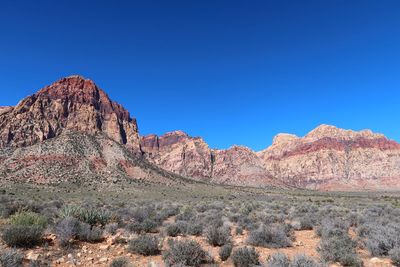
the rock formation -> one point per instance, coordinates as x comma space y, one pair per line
72, 103
71, 130
328, 158
191, 156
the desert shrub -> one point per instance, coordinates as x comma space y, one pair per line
302, 260
225, 251
245, 257
382, 238
245, 222
11, 258
169, 211
278, 259
332, 227
66, 230
91, 215
183, 226
146, 226
217, 236
146, 245
22, 235
149, 226
185, 253
305, 223
186, 215
211, 218
121, 262
395, 256
28, 219
111, 228
272, 236
134, 227
142, 213
173, 230
340, 248
89, 233
194, 229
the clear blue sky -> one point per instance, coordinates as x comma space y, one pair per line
233, 72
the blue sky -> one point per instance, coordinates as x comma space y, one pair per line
233, 72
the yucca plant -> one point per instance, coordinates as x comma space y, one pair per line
91, 216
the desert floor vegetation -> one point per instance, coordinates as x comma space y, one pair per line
234, 227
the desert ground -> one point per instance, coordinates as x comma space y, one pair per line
144, 224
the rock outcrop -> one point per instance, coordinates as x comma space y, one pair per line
72, 103
192, 157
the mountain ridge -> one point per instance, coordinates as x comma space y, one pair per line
326, 158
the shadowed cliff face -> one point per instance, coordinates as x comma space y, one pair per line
72, 127
72, 103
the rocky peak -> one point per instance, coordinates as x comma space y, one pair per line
73, 103
328, 131
284, 138
76, 89
172, 138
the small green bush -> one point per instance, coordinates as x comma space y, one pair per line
89, 233
146, 226
22, 235
111, 228
173, 230
194, 229
218, 236
245, 257
185, 253
28, 219
339, 248
146, 245
272, 236
66, 230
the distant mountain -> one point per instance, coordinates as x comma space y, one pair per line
328, 158
71, 131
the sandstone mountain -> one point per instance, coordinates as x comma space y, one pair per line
71, 131
328, 158
71, 103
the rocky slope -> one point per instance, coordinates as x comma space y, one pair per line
72, 131
333, 158
192, 157
328, 158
